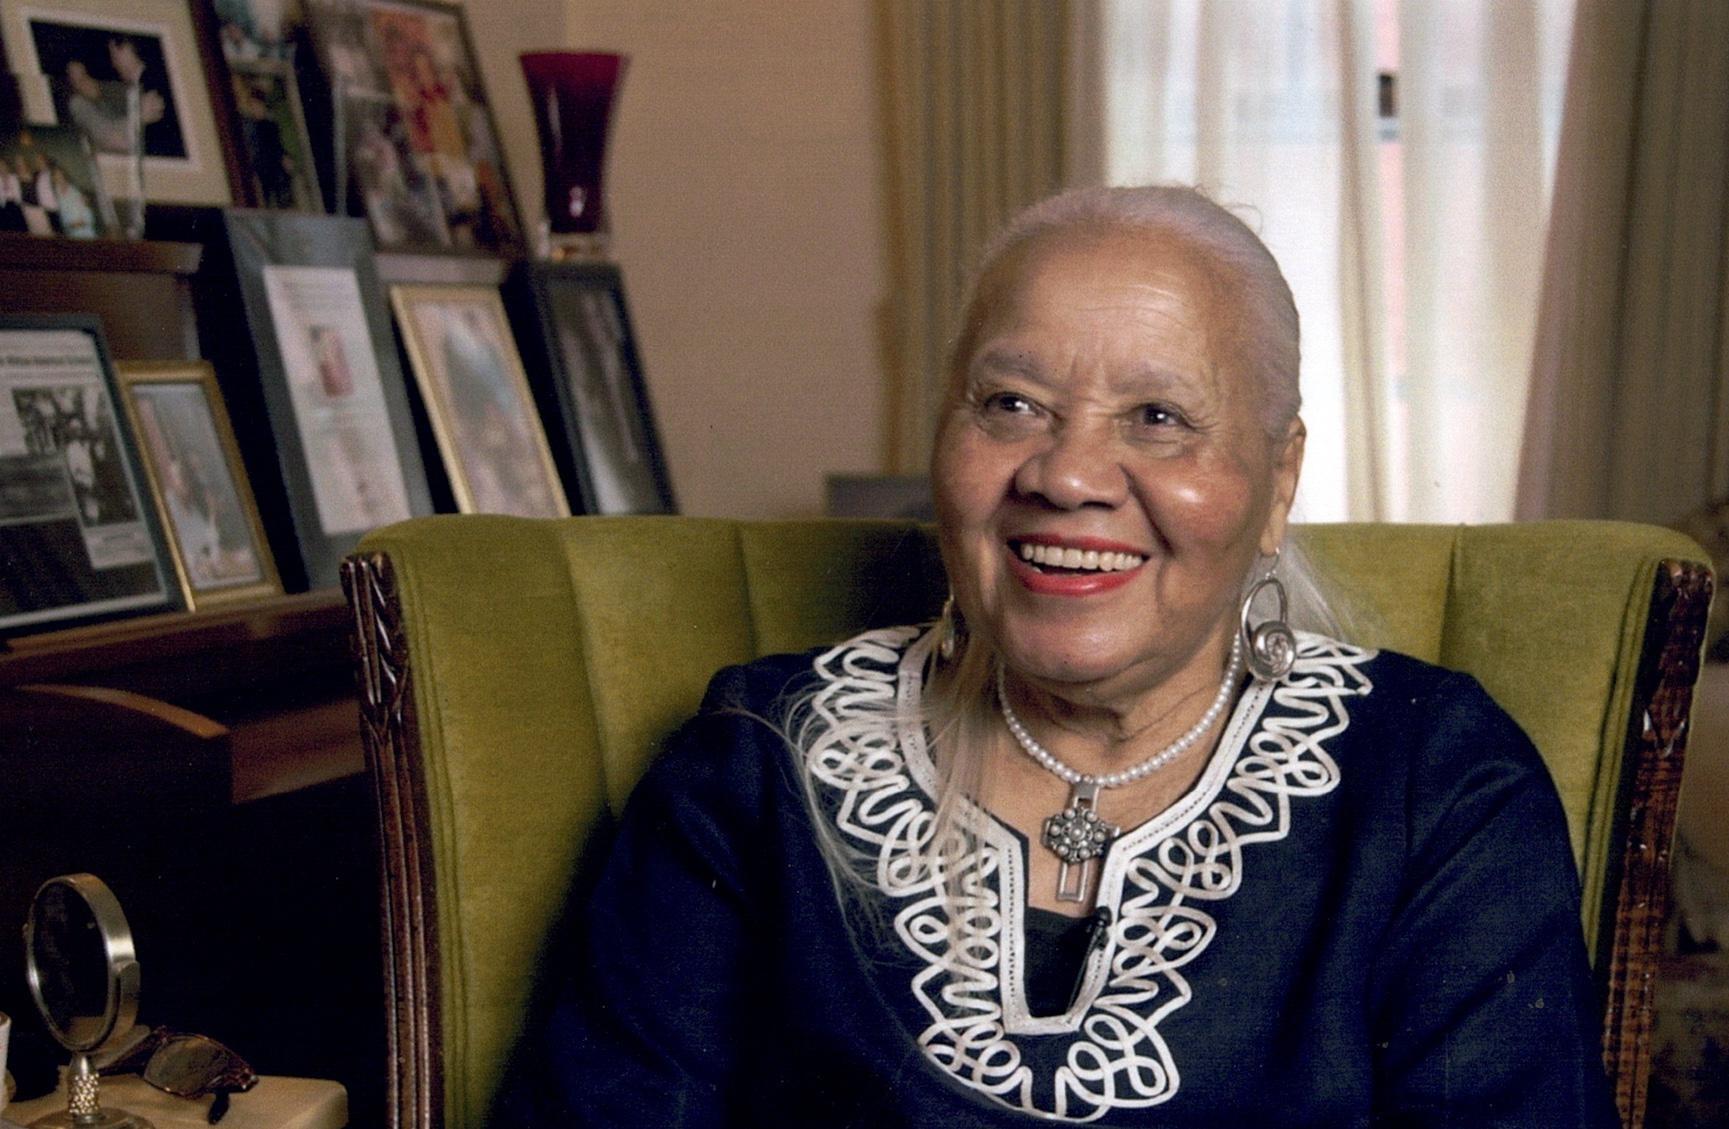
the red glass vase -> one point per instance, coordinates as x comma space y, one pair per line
572, 93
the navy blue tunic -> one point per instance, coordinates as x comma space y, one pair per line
1365, 912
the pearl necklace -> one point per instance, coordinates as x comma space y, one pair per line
1077, 835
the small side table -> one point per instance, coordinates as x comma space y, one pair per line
275, 1103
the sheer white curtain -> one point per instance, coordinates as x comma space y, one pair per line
1413, 241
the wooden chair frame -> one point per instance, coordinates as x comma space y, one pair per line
1655, 749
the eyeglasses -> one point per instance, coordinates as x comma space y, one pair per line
187, 1066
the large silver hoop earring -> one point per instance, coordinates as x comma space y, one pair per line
1270, 647
951, 630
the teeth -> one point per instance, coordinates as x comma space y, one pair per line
1054, 556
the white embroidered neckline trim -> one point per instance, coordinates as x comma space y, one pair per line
870, 760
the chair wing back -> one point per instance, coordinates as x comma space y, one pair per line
518, 675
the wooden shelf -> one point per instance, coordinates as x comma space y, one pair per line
58, 253
107, 653
141, 290
276, 672
455, 269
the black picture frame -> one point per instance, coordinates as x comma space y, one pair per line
295, 318
272, 141
80, 541
574, 328
251, 36
419, 152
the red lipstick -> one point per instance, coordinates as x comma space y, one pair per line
1041, 583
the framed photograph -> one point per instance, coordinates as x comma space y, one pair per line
272, 127
92, 52
317, 393
49, 184
396, 193
198, 483
589, 382
79, 539
476, 394
422, 157
272, 74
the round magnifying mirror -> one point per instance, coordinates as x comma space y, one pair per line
83, 973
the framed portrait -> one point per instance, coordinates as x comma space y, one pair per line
589, 382
476, 395
49, 184
79, 539
421, 156
318, 396
93, 54
271, 124
198, 482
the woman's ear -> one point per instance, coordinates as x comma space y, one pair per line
1287, 468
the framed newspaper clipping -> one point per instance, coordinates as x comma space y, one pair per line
79, 538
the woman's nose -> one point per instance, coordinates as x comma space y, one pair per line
1078, 466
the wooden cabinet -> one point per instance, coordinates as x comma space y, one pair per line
207, 764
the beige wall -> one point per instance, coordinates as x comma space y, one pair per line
746, 194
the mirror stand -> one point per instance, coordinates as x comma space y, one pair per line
82, 970
84, 1103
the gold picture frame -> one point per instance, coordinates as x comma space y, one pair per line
221, 555
476, 394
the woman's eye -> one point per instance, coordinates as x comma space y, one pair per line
1158, 415
1009, 403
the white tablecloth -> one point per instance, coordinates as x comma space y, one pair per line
275, 1103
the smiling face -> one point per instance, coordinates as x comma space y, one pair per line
1103, 476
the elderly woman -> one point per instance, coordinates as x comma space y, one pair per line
1110, 842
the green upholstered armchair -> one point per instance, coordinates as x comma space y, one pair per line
517, 675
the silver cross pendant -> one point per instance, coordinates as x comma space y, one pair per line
1078, 837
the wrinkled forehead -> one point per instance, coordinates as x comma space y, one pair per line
1128, 257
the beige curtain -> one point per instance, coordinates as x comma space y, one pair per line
1627, 415
975, 95
1413, 243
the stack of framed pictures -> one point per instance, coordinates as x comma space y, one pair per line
372, 108
499, 386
